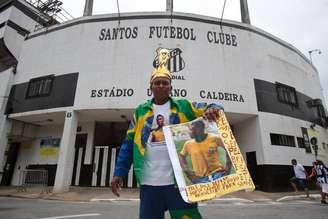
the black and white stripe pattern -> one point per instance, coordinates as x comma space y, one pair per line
104, 163
175, 63
78, 166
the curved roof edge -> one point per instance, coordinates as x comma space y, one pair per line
173, 16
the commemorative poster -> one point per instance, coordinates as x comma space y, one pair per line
206, 159
314, 136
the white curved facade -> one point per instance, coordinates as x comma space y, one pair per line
100, 67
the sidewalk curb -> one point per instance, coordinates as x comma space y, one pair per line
231, 200
218, 200
295, 197
104, 195
114, 199
33, 196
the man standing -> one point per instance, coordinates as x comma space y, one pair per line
300, 178
151, 162
204, 155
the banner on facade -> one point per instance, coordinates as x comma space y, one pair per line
206, 159
49, 147
306, 139
314, 141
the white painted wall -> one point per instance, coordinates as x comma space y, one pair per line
6, 80
89, 129
323, 138
273, 154
29, 152
4, 15
277, 64
127, 64
22, 19
248, 136
13, 40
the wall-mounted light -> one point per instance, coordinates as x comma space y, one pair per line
314, 50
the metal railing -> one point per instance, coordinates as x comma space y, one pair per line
50, 12
30, 178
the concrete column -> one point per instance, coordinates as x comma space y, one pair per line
66, 153
244, 12
5, 126
89, 146
6, 81
169, 5
88, 8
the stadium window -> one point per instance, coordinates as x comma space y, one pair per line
300, 142
321, 111
282, 140
286, 94
38, 87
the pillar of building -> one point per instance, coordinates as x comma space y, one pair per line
5, 126
244, 12
88, 8
66, 153
6, 81
169, 5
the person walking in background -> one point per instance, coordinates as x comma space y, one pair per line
300, 178
320, 171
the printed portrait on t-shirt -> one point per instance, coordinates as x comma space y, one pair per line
157, 134
157, 167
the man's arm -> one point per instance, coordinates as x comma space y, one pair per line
190, 173
210, 112
313, 173
228, 164
183, 161
228, 161
306, 174
124, 159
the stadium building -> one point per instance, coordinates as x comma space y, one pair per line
68, 90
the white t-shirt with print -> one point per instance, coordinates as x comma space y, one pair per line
299, 171
157, 170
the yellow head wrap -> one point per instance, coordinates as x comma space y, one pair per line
163, 56
160, 72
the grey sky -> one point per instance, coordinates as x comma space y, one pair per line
302, 23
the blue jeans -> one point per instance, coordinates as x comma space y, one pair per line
302, 183
155, 200
210, 178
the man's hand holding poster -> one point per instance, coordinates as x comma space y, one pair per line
206, 159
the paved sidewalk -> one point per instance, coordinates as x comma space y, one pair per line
104, 194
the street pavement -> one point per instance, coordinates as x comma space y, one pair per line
234, 208
97, 194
